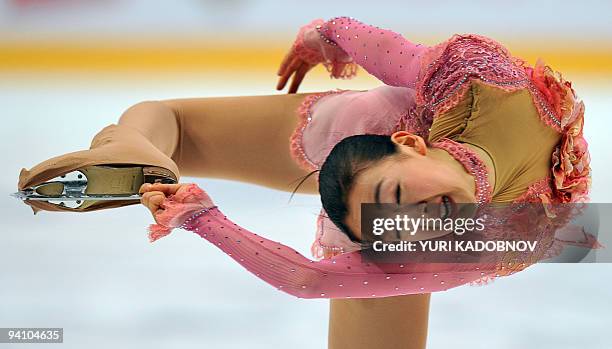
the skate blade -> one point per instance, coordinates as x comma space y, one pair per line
25, 195
82, 188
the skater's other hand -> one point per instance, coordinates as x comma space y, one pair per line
309, 49
292, 65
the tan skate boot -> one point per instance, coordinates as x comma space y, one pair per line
107, 175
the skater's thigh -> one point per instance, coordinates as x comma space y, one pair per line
243, 138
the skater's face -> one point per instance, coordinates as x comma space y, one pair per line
415, 174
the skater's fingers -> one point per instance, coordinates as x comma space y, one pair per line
286, 60
282, 81
145, 199
289, 70
153, 200
144, 188
167, 189
298, 77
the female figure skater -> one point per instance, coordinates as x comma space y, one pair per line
461, 121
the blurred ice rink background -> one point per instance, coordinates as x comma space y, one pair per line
68, 68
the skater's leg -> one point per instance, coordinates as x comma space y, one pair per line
156, 121
392, 322
242, 138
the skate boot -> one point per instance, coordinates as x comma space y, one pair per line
107, 175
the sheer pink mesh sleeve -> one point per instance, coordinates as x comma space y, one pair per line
344, 276
383, 53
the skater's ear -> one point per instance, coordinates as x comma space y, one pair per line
404, 138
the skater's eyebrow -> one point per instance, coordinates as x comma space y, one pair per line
377, 191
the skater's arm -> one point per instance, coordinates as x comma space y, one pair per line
344, 276
383, 53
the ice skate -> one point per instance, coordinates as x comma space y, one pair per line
107, 175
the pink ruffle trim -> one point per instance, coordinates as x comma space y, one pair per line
473, 164
535, 191
177, 208
296, 144
446, 67
441, 85
412, 121
430, 63
330, 241
341, 70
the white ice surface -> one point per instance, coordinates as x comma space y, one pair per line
96, 275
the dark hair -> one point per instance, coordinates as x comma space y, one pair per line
348, 157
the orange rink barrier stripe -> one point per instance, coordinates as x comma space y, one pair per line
127, 57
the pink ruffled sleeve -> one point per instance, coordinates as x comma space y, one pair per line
383, 53
347, 275
344, 276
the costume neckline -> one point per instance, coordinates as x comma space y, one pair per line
473, 164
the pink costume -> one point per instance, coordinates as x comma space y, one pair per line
421, 82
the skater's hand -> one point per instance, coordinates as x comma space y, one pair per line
305, 54
187, 196
172, 204
292, 65
154, 194
308, 50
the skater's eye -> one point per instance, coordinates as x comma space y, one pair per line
398, 194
